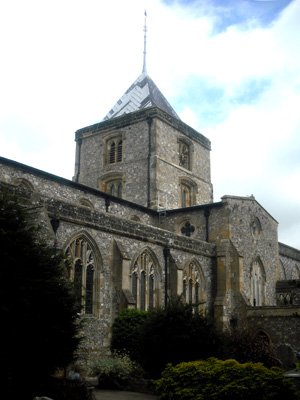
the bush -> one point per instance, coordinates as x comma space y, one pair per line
178, 333
127, 331
248, 346
114, 372
225, 380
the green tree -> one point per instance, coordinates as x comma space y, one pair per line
38, 312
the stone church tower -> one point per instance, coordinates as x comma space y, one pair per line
144, 153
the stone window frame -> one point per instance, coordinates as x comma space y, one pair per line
257, 283
181, 140
113, 180
83, 202
83, 254
22, 182
193, 284
113, 156
181, 222
255, 227
188, 191
145, 280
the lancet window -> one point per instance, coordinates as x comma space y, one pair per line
143, 277
81, 268
188, 190
186, 196
184, 155
114, 151
258, 283
114, 188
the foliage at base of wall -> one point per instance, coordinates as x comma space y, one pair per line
166, 335
115, 372
227, 380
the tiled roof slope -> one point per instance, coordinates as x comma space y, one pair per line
142, 93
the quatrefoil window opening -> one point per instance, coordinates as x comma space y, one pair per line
188, 229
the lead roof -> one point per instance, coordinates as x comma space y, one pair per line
143, 93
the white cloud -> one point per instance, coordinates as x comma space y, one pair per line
65, 64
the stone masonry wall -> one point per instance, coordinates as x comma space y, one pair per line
165, 172
253, 232
290, 261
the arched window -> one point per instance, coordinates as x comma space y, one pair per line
193, 284
186, 196
188, 190
81, 267
143, 278
184, 155
24, 183
112, 153
119, 151
114, 148
113, 185
258, 283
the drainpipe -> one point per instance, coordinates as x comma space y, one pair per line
79, 143
149, 121
166, 255
206, 215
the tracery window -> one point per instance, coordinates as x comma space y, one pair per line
114, 151
184, 155
257, 283
81, 268
143, 279
192, 285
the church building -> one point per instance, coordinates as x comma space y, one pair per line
138, 224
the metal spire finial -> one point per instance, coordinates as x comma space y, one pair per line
145, 38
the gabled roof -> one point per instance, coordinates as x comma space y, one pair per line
142, 93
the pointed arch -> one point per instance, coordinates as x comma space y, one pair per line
145, 279
257, 283
280, 272
193, 283
188, 191
295, 272
24, 183
84, 264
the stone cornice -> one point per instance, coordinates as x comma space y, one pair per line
142, 115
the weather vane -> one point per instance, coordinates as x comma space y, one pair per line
145, 38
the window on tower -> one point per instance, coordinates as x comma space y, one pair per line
188, 190
184, 155
114, 150
112, 184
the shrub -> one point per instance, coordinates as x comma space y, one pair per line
178, 333
114, 372
247, 346
227, 380
127, 333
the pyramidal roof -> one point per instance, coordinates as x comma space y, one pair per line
143, 93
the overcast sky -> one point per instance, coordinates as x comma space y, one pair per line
229, 68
